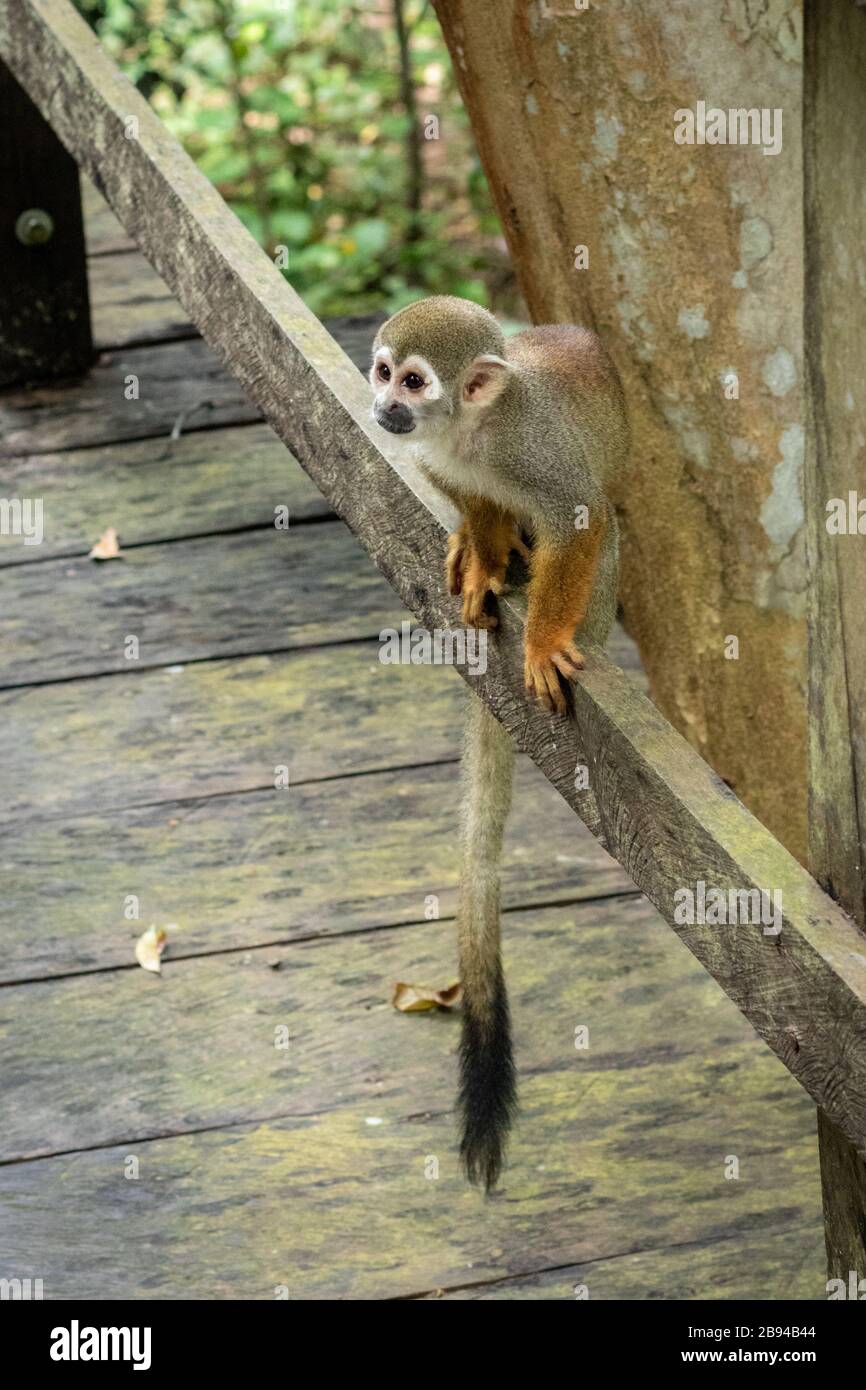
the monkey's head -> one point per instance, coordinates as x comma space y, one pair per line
433, 360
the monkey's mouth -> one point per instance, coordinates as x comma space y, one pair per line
395, 424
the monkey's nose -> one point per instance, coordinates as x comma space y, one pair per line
397, 419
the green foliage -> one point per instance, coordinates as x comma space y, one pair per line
296, 111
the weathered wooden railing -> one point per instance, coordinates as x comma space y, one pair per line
655, 805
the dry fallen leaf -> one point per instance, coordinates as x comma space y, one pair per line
149, 947
107, 547
415, 999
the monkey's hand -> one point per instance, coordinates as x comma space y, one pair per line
542, 668
469, 575
476, 570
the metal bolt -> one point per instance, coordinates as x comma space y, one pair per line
34, 227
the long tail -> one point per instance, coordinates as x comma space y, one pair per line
488, 1096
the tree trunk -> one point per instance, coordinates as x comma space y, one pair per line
695, 272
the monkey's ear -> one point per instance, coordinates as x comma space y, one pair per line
484, 379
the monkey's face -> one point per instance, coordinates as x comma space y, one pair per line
438, 364
407, 393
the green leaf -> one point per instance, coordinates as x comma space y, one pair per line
292, 225
224, 166
370, 236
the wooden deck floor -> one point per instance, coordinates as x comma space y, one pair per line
305, 1168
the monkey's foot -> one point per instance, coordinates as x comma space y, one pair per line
542, 673
521, 547
455, 558
464, 566
475, 601
468, 575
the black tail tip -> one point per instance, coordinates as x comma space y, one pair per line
483, 1156
488, 1091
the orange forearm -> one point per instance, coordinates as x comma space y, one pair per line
491, 532
562, 578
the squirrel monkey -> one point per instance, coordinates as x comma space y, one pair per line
523, 437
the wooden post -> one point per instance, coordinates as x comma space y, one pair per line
44, 307
835, 341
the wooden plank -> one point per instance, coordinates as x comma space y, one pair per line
267, 590
103, 233
835, 337
130, 304
157, 490
216, 727
271, 866
44, 310
333, 1206
178, 383
770, 1266
181, 733
204, 729
228, 595
668, 819
195, 1048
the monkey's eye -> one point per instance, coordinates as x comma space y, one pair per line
383, 372
413, 382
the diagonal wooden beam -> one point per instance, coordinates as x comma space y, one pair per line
653, 802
